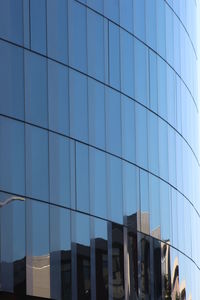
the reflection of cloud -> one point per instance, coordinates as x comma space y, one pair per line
11, 199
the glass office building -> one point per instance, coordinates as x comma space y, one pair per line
99, 155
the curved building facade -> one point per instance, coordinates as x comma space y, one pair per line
99, 155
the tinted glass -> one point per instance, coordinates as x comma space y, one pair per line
37, 185
162, 92
126, 14
153, 143
165, 211
59, 169
11, 80
160, 27
153, 81
154, 196
12, 175
114, 55
144, 264
144, 201
57, 30
111, 10
139, 18
78, 106
58, 98
150, 13
36, 89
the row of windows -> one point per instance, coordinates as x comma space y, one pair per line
101, 40
53, 168
62, 254
51, 94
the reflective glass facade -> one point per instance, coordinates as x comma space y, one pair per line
99, 149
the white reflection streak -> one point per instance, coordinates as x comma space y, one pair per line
11, 199
38, 268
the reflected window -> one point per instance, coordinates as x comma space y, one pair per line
11, 20
58, 97
77, 36
114, 173
59, 169
128, 128
38, 25
98, 185
133, 263
57, 33
78, 106
95, 45
141, 135
12, 175
144, 201
82, 177
114, 55
37, 185
36, 89
113, 121
144, 248
154, 197
60, 253
11, 80
96, 111
37, 247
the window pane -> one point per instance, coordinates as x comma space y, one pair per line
11, 80
98, 193
11, 20
126, 14
96, 5
162, 92
77, 36
139, 18
78, 106
59, 165
12, 244
171, 99
141, 135
128, 129
60, 253
150, 12
111, 10
57, 33
153, 143
38, 25
96, 107
82, 177
144, 283
114, 55
153, 81
163, 149
36, 89
12, 175
37, 185
169, 36
127, 63
160, 27
58, 105
165, 211
95, 45
141, 73
113, 121
154, 196
144, 201
172, 155
37, 247
114, 172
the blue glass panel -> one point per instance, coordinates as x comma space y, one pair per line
96, 108
162, 92
78, 106
82, 177
163, 149
59, 169
77, 36
11, 20
113, 121
144, 201
150, 13
153, 143
160, 27
95, 45
12, 175
98, 192
139, 18
126, 14
141, 135
96, 5
169, 36
154, 197
37, 185
172, 155
153, 81
171, 99
38, 25
58, 97
141, 75
36, 89
165, 211
111, 10
11, 81
57, 33
128, 128
114, 55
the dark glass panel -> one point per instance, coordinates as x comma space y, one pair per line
37, 248
133, 263
38, 25
59, 169
58, 97
12, 244
36, 89
12, 175
78, 105
166, 271
57, 33
37, 178
11, 20
11, 80
82, 178
157, 269
60, 253
144, 263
